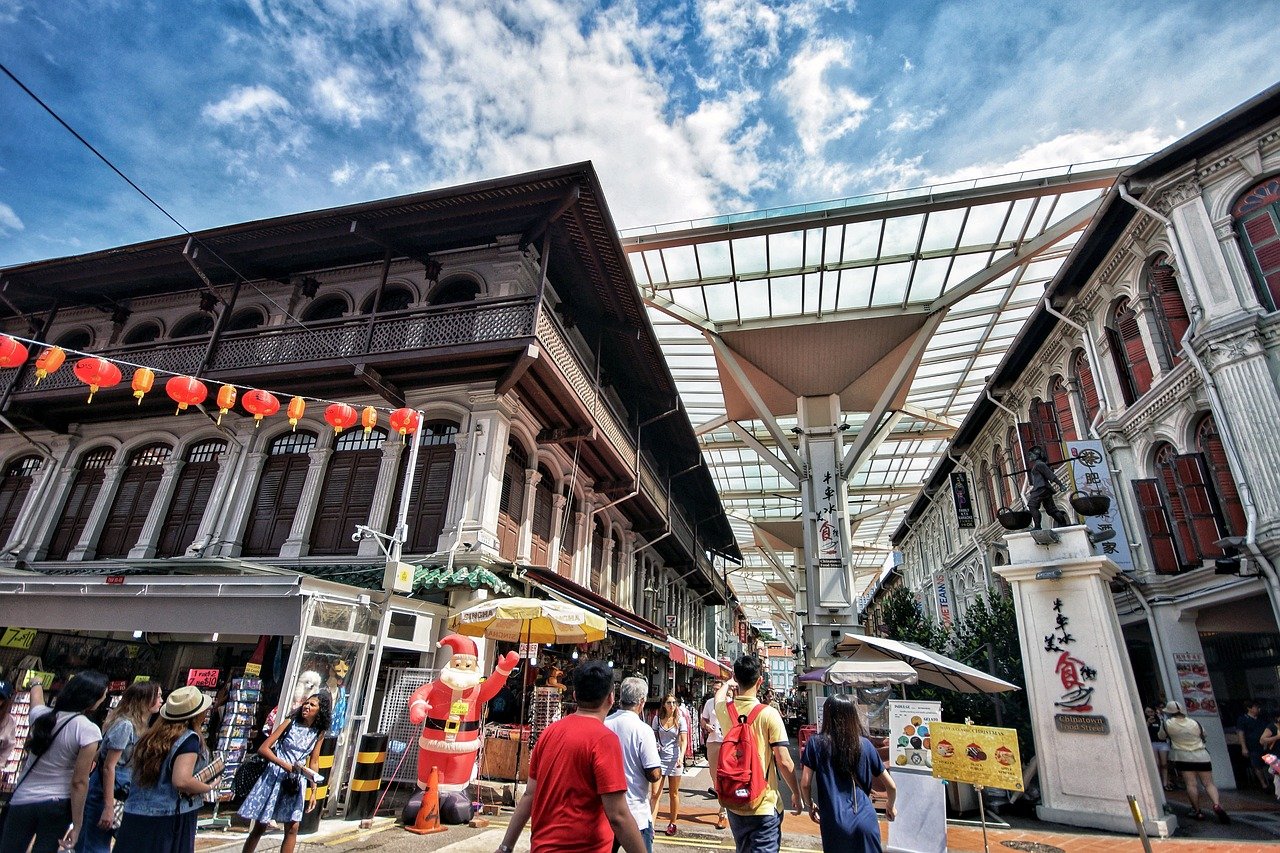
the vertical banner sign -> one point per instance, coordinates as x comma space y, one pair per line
963, 499
827, 525
743, 635
1091, 474
910, 735
944, 603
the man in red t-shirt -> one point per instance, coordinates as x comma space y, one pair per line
577, 784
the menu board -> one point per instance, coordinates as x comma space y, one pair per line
910, 732
980, 755
1193, 680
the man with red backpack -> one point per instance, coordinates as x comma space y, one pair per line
755, 740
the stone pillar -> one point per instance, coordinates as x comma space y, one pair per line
1201, 259
244, 489
218, 511
606, 566
624, 588
30, 536
481, 487
1090, 733
87, 546
145, 547
524, 543
385, 496
558, 502
304, 517
582, 560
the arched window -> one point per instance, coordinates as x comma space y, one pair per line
1209, 443
430, 489
1044, 431
1061, 398
988, 486
190, 497
1085, 386
568, 537
75, 339
1172, 319
1257, 218
347, 494
1191, 502
597, 556
394, 299
142, 333
14, 487
325, 308
1003, 492
1013, 457
132, 504
279, 490
453, 291
615, 570
543, 502
80, 500
200, 323
511, 507
1124, 338
245, 319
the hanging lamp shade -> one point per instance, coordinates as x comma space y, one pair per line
226, 399
49, 362
12, 353
340, 416
297, 408
404, 421
186, 391
143, 379
369, 419
97, 373
260, 404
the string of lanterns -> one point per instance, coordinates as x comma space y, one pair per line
100, 373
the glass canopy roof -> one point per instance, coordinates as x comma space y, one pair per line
980, 252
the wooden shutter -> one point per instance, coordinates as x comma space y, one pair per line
1062, 408
1170, 309
1167, 479
431, 489
1195, 490
1155, 522
130, 509
543, 498
275, 503
345, 500
1224, 484
14, 488
597, 558
511, 505
80, 500
190, 498
1003, 493
990, 489
568, 538
1115, 343
1026, 441
1085, 384
1135, 352
1045, 431
1260, 234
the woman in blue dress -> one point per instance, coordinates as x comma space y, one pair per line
278, 794
839, 766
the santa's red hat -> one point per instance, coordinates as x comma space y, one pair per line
461, 645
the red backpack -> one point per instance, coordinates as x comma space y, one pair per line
740, 780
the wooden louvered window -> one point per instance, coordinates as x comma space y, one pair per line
1156, 523
1003, 491
511, 506
347, 494
434, 478
1204, 522
279, 490
1172, 319
1209, 443
615, 570
1166, 476
1085, 385
1061, 398
597, 557
1046, 432
190, 498
1129, 353
132, 504
989, 499
568, 538
80, 500
14, 488
1257, 216
543, 501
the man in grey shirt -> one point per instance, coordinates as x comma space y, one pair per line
639, 753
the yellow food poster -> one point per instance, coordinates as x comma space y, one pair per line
979, 755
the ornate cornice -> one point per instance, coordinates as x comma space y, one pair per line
1178, 195
1173, 390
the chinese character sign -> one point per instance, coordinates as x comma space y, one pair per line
979, 755
963, 500
1077, 677
1091, 475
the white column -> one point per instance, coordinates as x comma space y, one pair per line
87, 546
245, 488
606, 569
159, 511
558, 502
582, 560
481, 486
524, 543
218, 511
49, 487
385, 495
304, 517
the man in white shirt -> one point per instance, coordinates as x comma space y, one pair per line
639, 753
713, 736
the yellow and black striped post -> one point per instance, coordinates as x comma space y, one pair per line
367, 777
324, 766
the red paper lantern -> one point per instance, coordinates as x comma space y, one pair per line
297, 408
260, 404
404, 421
369, 419
96, 373
143, 379
186, 391
226, 399
49, 362
340, 416
12, 353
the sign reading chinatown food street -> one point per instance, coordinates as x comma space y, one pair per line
980, 755
1082, 724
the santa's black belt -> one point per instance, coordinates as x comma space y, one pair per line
440, 725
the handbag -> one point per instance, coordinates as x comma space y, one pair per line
247, 775
291, 784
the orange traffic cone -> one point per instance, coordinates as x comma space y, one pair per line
428, 819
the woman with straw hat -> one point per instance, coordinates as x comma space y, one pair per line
1190, 756
165, 798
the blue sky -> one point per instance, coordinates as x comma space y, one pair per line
230, 111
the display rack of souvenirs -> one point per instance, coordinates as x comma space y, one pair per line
547, 706
237, 730
20, 711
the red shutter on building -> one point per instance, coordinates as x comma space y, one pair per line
1171, 495
1026, 441
1135, 351
1120, 359
1174, 319
1155, 522
1260, 233
1224, 484
1062, 407
1085, 383
992, 495
1045, 431
1200, 503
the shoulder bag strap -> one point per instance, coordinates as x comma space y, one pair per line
283, 734
36, 760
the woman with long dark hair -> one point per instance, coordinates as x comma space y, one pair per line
61, 746
839, 766
114, 775
672, 733
293, 748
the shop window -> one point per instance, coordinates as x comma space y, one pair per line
1043, 430
76, 340
430, 500
511, 506
568, 537
279, 490
1085, 385
543, 504
80, 500
394, 299
1124, 339
132, 503
1171, 317
142, 333
346, 497
14, 488
597, 557
452, 292
1214, 454
1061, 398
246, 319
1257, 218
190, 498
329, 307
196, 324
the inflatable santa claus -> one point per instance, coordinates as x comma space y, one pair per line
449, 710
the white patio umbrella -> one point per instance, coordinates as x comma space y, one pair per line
869, 673
930, 666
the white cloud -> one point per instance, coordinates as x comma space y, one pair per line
344, 96
9, 220
821, 109
246, 103
342, 175
1078, 146
906, 120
